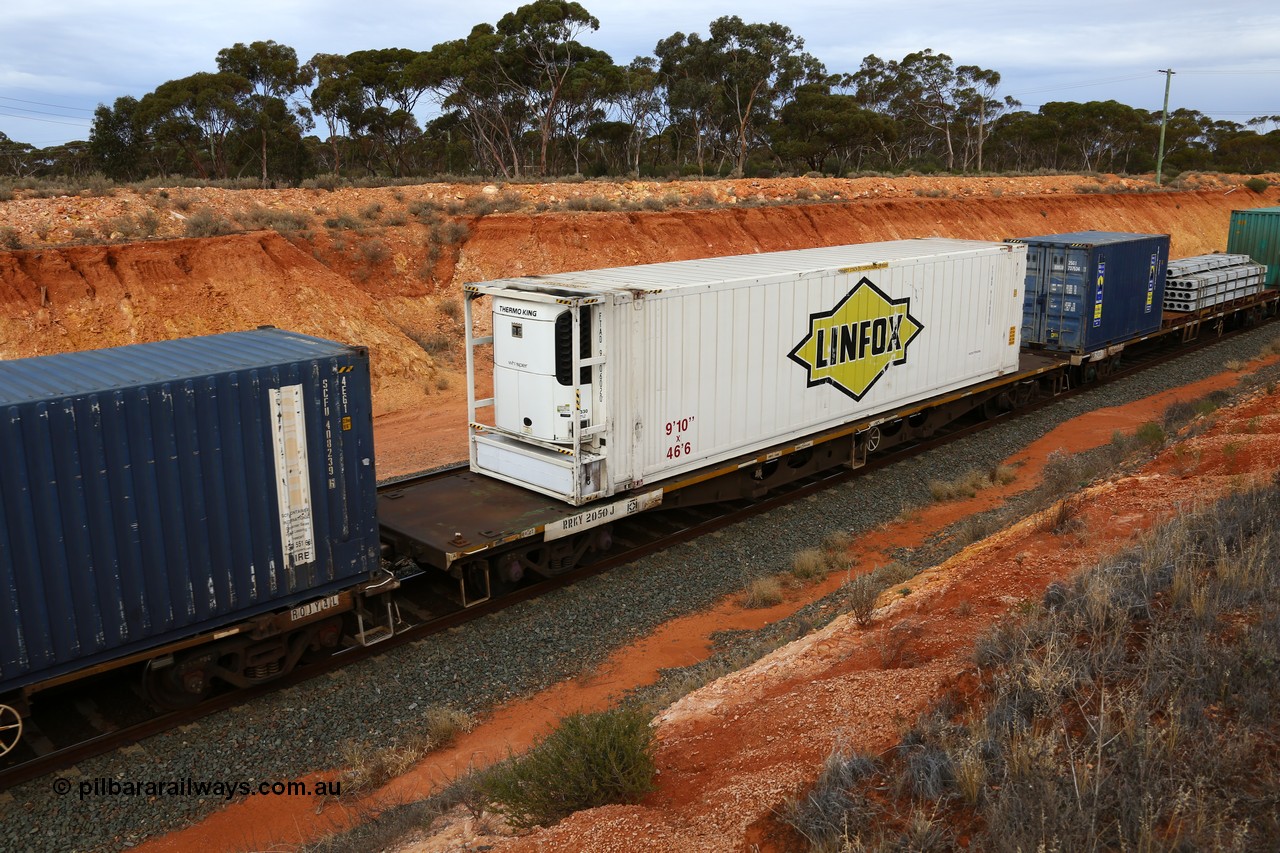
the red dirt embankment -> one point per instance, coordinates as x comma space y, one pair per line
390, 287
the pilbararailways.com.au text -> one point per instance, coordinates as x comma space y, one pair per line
226, 789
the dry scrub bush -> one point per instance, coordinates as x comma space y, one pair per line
259, 217
370, 767
861, 595
590, 760
763, 592
206, 223
809, 564
10, 239
862, 592
1134, 712
836, 809
343, 222
375, 252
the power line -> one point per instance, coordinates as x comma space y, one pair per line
43, 104
1229, 72
45, 120
1081, 85
39, 112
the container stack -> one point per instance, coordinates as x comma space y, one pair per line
1207, 280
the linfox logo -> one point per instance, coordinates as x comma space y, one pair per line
851, 346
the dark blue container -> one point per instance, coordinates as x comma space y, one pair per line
156, 491
1092, 289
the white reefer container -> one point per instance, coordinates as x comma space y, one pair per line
687, 364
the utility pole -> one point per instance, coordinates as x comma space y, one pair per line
1164, 119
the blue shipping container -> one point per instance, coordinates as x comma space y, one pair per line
156, 491
1090, 290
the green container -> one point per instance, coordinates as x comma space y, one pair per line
1256, 233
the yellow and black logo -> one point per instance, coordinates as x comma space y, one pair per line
852, 345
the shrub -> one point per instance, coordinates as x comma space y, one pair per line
206, 223
837, 542
1150, 433
861, 595
427, 211
10, 238
479, 205
965, 486
809, 564
284, 221
454, 232
369, 767
836, 809
508, 201
434, 343
1258, 185
343, 222
763, 592
372, 211
590, 760
375, 252
451, 308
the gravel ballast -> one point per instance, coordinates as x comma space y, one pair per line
522, 649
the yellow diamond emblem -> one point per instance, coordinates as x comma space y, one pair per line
855, 343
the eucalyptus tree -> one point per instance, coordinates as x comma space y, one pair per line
1103, 135
472, 79
196, 114
390, 84
686, 65
337, 98
819, 127
759, 66
727, 87
934, 101
276, 82
1022, 141
117, 140
588, 92
541, 40
16, 158
978, 107
638, 102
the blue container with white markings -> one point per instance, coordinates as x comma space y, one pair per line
157, 491
1091, 290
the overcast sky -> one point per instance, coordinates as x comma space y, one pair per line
61, 58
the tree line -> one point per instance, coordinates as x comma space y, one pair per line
527, 97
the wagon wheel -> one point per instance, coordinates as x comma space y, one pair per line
10, 728
176, 686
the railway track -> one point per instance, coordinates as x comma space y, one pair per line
98, 716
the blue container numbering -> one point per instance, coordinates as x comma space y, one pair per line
1090, 290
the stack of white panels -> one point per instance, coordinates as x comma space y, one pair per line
1207, 280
